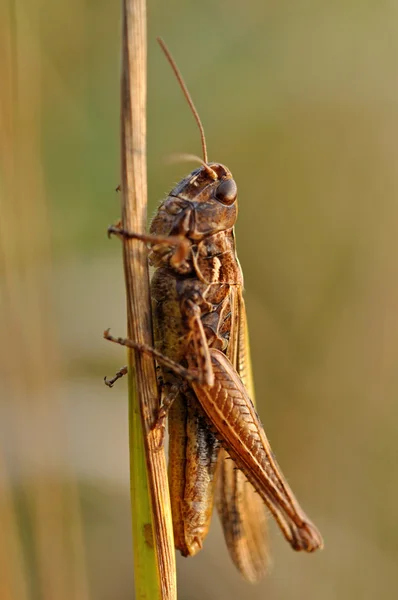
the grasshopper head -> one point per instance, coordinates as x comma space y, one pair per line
202, 204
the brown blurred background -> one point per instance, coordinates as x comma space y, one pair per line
300, 100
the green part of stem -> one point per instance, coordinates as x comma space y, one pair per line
146, 578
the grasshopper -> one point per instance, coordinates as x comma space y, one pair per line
217, 445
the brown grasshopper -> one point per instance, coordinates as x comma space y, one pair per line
217, 443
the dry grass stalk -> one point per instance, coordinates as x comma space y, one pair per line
143, 391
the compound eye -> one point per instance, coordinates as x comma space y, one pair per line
227, 192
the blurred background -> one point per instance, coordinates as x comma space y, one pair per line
300, 100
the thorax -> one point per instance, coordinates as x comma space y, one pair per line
212, 273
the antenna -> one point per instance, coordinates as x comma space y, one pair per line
187, 96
